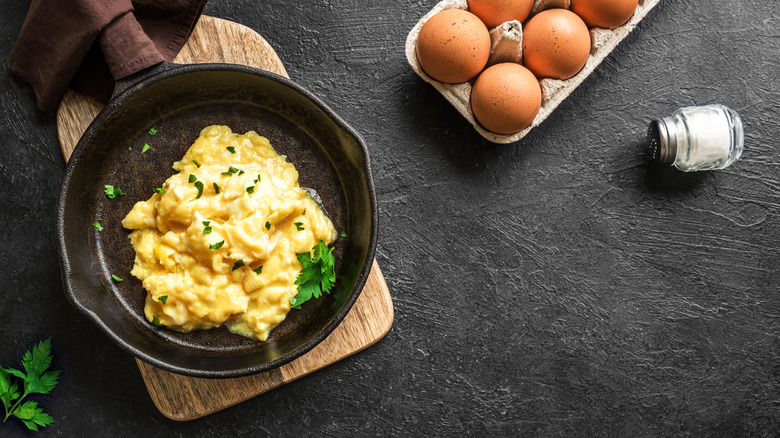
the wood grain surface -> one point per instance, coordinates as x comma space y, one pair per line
185, 398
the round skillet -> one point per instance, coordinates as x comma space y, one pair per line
331, 158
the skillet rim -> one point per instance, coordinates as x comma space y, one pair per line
159, 73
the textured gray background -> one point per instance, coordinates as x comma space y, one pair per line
555, 287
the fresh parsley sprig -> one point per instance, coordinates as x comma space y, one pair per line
36, 380
317, 276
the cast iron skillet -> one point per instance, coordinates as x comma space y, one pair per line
330, 156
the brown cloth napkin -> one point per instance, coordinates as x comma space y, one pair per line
87, 44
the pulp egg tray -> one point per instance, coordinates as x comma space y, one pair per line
554, 91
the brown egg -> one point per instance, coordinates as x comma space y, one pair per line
556, 44
453, 46
506, 98
604, 13
495, 12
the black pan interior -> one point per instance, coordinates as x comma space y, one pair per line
330, 157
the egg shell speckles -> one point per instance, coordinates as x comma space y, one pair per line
506, 98
453, 46
556, 44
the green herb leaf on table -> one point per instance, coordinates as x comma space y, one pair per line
145, 148
317, 276
97, 225
153, 130
37, 379
117, 279
112, 192
343, 234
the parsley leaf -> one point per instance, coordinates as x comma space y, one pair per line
199, 186
231, 170
299, 226
207, 230
250, 189
153, 131
192, 178
343, 234
258, 270
117, 279
97, 225
258, 178
112, 192
216, 188
217, 245
238, 264
163, 299
317, 276
267, 225
231, 149
196, 163
159, 190
37, 379
155, 321
145, 148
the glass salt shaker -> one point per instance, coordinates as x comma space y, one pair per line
697, 138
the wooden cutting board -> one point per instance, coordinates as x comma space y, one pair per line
186, 398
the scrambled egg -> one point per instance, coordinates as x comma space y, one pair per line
219, 245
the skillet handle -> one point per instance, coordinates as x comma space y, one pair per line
121, 85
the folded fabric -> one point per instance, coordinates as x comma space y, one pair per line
87, 44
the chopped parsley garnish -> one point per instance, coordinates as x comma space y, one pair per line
196, 163
317, 276
117, 279
207, 230
199, 186
163, 299
36, 379
217, 245
231, 149
343, 234
258, 179
231, 170
159, 190
216, 188
156, 321
145, 148
112, 192
240, 172
250, 189
238, 264
97, 225
129, 148
299, 226
267, 225
258, 270
206, 223
153, 131
192, 178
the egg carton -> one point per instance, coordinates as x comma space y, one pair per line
554, 91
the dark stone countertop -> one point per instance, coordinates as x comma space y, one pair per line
560, 286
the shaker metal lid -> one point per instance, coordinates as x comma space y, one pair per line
662, 147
